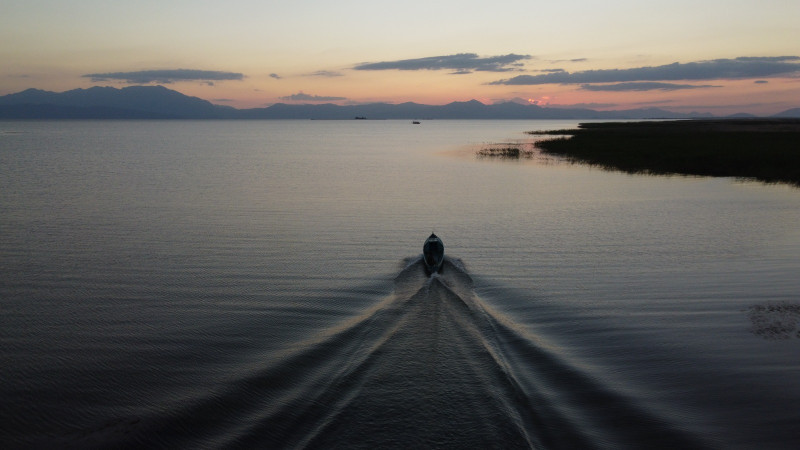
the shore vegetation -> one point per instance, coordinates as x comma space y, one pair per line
762, 149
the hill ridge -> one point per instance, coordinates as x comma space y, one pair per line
159, 102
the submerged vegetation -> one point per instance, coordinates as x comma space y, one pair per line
506, 151
761, 149
775, 320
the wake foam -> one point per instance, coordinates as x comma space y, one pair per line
431, 365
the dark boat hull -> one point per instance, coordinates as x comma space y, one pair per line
433, 254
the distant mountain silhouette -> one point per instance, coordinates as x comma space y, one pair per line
134, 102
158, 102
457, 110
794, 112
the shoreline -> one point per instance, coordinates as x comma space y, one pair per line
766, 150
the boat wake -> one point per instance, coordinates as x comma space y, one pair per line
430, 366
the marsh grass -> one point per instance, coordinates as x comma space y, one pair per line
506, 151
765, 150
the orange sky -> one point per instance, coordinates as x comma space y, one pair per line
733, 56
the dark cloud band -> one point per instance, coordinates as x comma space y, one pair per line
326, 74
302, 97
459, 63
165, 76
643, 86
745, 67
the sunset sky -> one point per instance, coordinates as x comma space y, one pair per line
718, 56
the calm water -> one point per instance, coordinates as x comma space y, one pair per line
258, 284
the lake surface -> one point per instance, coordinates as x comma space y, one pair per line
259, 285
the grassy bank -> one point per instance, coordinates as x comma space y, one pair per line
763, 149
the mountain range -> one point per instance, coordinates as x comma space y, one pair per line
158, 102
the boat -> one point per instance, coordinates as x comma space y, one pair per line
415, 122
433, 254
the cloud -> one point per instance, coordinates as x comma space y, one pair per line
165, 76
275, 75
584, 105
573, 60
517, 100
654, 102
744, 67
643, 86
460, 63
326, 73
761, 82
302, 97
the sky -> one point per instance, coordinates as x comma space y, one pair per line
717, 56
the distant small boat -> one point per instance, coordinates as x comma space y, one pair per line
415, 122
433, 254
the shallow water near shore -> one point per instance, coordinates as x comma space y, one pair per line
259, 284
